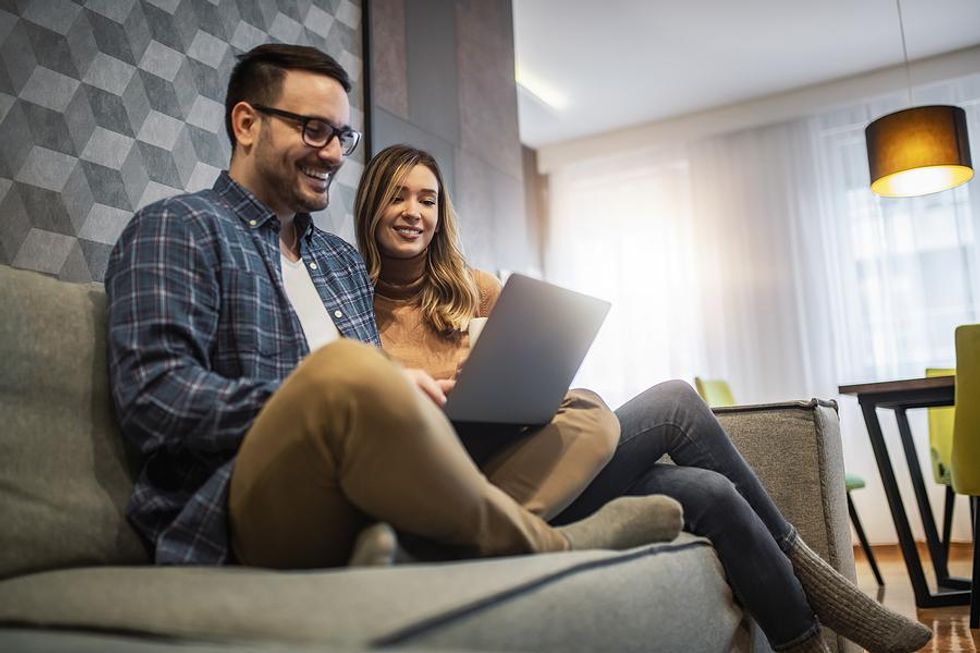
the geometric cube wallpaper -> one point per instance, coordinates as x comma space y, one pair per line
108, 105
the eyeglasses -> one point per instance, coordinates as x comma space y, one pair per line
317, 132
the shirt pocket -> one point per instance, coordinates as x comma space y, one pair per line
251, 315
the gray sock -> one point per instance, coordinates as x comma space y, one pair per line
375, 546
627, 522
841, 606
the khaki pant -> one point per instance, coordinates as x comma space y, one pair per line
347, 436
548, 469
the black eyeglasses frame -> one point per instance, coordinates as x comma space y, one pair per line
341, 133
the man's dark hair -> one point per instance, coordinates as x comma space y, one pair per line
257, 77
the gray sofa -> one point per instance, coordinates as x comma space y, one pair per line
75, 577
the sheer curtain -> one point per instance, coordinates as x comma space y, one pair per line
761, 257
695, 249
622, 231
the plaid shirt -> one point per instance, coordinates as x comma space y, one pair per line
201, 334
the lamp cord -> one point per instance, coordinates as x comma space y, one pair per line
905, 51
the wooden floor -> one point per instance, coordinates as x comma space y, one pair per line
950, 625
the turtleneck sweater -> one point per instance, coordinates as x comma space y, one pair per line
406, 337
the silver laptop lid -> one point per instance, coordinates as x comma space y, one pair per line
527, 355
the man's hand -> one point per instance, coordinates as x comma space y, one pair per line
434, 390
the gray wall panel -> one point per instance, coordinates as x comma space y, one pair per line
430, 35
458, 62
475, 205
487, 90
500, 243
510, 227
392, 130
390, 84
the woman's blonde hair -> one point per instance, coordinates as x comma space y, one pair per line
449, 296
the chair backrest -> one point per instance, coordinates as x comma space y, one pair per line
941, 433
715, 392
966, 426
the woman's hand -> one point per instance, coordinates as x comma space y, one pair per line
433, 389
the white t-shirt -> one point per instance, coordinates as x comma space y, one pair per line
318, 328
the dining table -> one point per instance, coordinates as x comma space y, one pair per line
900, 396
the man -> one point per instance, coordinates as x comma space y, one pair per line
256, 450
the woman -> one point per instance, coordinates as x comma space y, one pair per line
407, 234
425, 298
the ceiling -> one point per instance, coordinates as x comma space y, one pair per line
616, 63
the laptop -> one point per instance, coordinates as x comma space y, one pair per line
527, 354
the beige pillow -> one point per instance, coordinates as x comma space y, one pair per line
64, 474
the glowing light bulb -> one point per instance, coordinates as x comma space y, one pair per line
922, 181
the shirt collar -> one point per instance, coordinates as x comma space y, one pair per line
250, 209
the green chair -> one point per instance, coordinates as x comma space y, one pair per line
965, 461
716, 393
941, 453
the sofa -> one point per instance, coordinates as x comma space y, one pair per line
74, 576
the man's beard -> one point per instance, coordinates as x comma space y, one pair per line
283, 180
308, 204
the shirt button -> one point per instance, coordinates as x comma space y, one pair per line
338, 314
312, 266
253, 222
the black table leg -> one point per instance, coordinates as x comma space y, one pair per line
923, 597
948, 506
936, 549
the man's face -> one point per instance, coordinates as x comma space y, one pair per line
291, 176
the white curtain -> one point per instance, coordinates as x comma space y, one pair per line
622, 231
762, 257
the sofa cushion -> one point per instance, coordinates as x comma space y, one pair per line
667, 596
64, 476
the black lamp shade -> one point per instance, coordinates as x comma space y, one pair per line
918, 151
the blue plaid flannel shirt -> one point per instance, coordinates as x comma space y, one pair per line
200, 336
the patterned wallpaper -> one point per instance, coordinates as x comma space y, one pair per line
108, 105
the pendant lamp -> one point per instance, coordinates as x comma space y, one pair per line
919, 150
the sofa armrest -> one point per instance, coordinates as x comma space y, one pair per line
795, 449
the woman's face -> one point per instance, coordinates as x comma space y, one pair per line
408, 224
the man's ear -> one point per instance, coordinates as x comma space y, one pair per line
245, 124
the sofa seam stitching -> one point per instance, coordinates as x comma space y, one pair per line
406, 633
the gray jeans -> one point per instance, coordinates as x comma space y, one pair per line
723, 500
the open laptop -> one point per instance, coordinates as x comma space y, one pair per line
527, 355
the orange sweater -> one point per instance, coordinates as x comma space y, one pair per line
404, 335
